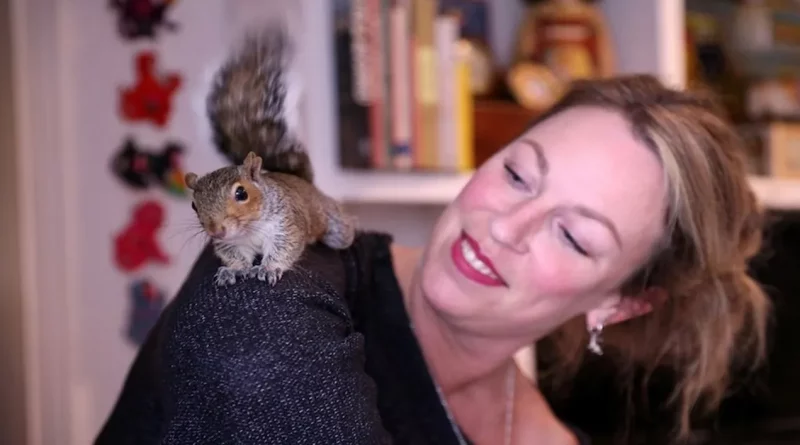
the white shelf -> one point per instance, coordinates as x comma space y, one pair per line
400, 188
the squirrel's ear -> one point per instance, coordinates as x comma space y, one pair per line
191, 180
252, 166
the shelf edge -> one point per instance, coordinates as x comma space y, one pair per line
440, 189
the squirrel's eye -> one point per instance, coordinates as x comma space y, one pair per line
194, 207
240, 194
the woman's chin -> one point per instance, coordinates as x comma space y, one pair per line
448, 288
446, 295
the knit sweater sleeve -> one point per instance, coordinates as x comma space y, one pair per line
255, 364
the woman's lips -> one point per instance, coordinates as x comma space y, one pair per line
469, 260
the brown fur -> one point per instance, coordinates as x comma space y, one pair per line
250, 118
243, 210
280, 217
247, 108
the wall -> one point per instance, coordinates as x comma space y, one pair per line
12, 371
103, 63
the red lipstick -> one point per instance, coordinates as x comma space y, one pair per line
463, 265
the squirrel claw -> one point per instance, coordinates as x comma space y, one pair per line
255, 271
225, 276
274, 275
269, 275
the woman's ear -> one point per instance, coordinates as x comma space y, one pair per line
625, 307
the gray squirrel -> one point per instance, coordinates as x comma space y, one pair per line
266, 204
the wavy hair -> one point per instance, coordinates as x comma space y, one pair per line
715, 316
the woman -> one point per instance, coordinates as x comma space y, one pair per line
621, 220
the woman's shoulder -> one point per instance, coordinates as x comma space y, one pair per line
208, 324
321, 279
236, 360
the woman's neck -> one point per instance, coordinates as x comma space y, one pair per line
456, 356
472, 369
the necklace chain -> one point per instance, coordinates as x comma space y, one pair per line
511, 378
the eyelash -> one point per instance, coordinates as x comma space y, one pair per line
571, 240
513, 176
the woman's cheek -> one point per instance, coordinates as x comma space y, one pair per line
555, 270
477, 193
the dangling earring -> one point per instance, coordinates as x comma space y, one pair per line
594, 339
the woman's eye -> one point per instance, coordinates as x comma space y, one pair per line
572, 242
512, 175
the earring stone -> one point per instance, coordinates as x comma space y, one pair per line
594, 339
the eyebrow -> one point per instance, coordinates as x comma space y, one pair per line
602, 219
541, 160
544, 167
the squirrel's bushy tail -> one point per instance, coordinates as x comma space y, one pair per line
252, 106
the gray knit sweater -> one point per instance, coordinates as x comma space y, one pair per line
324, 357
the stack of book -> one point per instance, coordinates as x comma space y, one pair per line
403, 79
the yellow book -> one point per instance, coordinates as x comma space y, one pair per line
464, 111
426, 118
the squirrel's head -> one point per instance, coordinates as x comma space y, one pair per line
228, 200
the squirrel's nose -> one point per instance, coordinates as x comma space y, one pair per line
219, 232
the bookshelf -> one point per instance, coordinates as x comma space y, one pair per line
652, 43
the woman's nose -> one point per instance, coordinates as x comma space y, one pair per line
514, 228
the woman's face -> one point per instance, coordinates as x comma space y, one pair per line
549, 227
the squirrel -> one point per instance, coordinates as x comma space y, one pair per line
266, 204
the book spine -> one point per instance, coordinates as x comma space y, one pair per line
426, 94
386, 82
351, 80
401, 91
376, 83
359, 49
447, 34
465, 111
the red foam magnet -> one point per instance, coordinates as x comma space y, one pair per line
137, 244
150, 98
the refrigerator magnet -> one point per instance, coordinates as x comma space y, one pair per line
146, 302
131, 165
139, 168
138, 19
166, 167
150, 97
137, 243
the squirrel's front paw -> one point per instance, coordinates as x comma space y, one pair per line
274, 275
225, 275
269, 275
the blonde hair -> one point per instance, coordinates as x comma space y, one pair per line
715, 315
